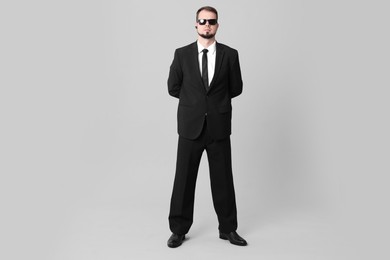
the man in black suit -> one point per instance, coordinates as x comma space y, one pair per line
205, 76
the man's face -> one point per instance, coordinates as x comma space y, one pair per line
207, 30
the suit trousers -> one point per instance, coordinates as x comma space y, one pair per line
222, 188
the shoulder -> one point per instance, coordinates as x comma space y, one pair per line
227, 49
186, 48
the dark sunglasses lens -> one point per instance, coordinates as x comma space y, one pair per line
202, 21
213, 21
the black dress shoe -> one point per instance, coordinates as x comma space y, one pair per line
234, 238
175, 240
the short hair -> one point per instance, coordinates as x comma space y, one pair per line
207, 8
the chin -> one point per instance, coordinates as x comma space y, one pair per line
207, 35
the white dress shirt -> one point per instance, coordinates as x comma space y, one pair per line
210, 59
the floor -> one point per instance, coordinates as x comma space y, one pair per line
117, 233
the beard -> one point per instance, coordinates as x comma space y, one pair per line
207, 35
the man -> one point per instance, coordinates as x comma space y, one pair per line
205, 76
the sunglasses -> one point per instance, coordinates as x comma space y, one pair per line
204, 21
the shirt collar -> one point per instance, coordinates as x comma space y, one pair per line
211, 48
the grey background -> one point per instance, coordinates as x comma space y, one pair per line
88, 131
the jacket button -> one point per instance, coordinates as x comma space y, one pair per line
205, 114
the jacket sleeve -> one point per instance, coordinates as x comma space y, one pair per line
235, 80
175, 78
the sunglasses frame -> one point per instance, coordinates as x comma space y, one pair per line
205, 21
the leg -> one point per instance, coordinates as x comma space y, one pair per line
189, 154
222, 187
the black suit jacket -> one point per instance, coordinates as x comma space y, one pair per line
195, 103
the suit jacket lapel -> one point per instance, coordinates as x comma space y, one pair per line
218, 62
195, 62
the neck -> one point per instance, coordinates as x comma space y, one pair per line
206, 42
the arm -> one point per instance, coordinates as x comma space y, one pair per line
175, 78
235, 80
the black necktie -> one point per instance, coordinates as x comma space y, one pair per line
205, 72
